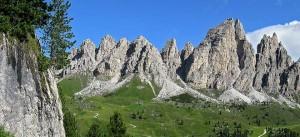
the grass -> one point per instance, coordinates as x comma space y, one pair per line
159, 119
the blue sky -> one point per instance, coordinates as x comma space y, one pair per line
185, 20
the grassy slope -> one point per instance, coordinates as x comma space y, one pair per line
159, 119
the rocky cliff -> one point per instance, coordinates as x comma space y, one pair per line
29, 100
224, 61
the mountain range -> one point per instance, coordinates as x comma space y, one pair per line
224, 61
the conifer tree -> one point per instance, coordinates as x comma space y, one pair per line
19, 18
116, 127
96, 130
58, 33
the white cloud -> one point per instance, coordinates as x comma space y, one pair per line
288, 34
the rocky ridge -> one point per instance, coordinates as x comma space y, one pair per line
224, 61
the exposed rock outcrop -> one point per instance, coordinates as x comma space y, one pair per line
82, 60
112, 60
216, 62
271, 61
171, 57
290, 80
106, 46
29, 100
186, 52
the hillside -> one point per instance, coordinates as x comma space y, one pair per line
176, 117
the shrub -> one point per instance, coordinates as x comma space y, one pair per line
116, 127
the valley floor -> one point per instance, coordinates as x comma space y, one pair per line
182, 116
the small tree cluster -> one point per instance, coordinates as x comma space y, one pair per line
115, 128
281, 132
221, 129
96, 130
138, 115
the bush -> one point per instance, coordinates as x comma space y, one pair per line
96, 130
116, 127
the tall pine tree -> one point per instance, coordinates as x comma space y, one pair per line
58, 33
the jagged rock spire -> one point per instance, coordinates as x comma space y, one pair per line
82, 59
271, 61
215, 63
187, 51
106, 45
170, 56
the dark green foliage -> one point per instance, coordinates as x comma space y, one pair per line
3, 133
43, 62
138, 115
96, 130
281, 132
58, 33
70, 124
21, 17
116, 127
222, 129
179, 122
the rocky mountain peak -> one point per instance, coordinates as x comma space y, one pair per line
141, 41
229, 30
271, 61
239, 30
82, 59
123, 41
88, 48
216, 62
106, 45
171, 57
187, 51
170, 49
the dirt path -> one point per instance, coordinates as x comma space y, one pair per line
132, 125
265, 132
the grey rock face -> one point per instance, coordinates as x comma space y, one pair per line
82, 60
245, 54
215, 63
144, 58
29, 102
187, 51
186, 60
112, 58
106, 46
290, 80
171, 57
271, 61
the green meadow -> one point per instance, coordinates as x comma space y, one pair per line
181, 116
